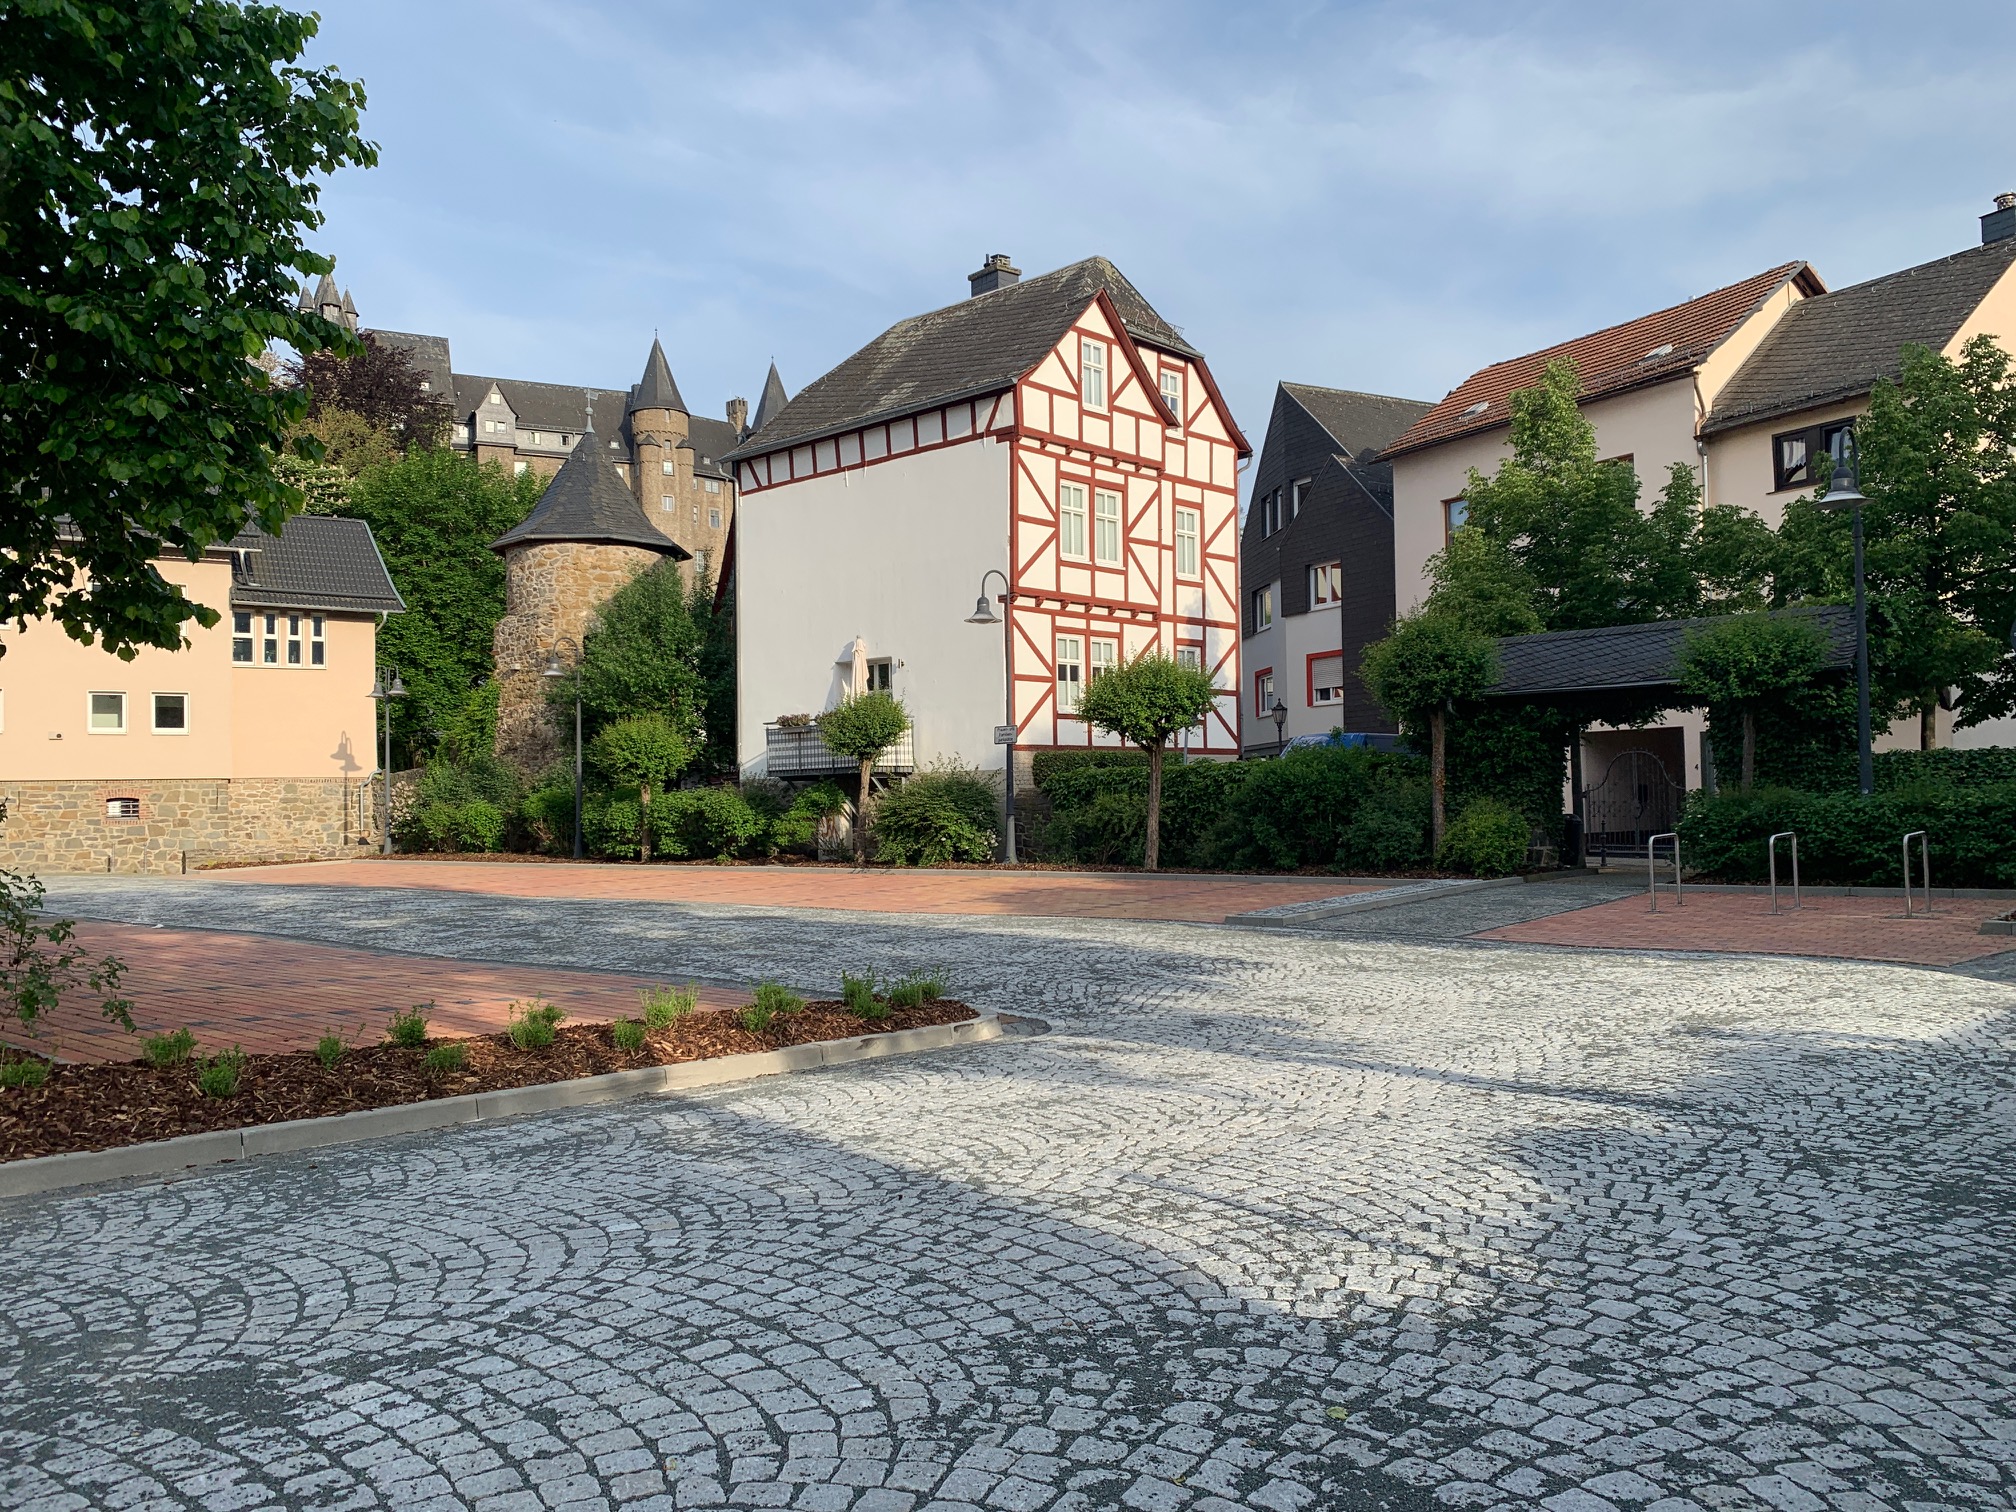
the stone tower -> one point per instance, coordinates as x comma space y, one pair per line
585, 539
660, 428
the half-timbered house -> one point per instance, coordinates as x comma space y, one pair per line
1053, 436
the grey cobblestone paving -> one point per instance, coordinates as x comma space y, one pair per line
1269, 1220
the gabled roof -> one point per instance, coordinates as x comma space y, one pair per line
978, 346
771, 405
429, 355
588, 502
656, 390
1666, 344
316, 562
1617, 658
1357, 422
1839, 345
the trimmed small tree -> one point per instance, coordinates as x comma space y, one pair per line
1429, 663
1747, 662
646, 750
1146, 702
861, 728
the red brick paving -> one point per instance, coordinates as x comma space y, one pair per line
1853, 929
1198, 899
270, 994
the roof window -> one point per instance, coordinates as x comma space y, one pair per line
1664, 349
1478, 408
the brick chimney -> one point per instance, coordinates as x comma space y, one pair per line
1999, 224
738, 415
994, 274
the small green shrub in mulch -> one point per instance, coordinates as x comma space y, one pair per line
533, 1024
452, 1056
409, 1029
665, 1006
330, 1049
627, 1034
164, 1050
777, 998
219, 1075
24, 1072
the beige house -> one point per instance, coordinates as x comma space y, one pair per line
254, 741
1746, 386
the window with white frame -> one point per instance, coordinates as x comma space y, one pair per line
667, 468
1070, 673
1263, 607
107, 713
1106, 527
171, 713
1071, 519
714, 517
699, 564
297, 626
1191, 657
1187, 524
1092, 372
122, 808
1326, 583
666, 501
1172, 391
1104, 654
1298, 492
1326, 679
713, 485
318, 641
1263, 693
241, 637
518, 469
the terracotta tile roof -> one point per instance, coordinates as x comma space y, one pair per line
1664, 344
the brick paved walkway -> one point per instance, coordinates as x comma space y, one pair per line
1855, 929
267, 994
1199, 899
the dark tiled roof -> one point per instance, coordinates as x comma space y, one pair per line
656, 390
587, 501
316, 562
771, 405
1618, 657
1357, 422
711, 440
978, 346
1837, 346
430, 357
1665, 344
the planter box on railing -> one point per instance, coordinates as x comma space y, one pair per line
800, 752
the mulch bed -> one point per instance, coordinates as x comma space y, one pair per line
104, 1106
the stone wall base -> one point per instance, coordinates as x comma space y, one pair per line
184, 823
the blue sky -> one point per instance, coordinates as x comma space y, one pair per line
1376, 196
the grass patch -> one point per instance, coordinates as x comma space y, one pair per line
665, 1006
409, 1029
219, 1075
533, 1024
627, 1034
164, 1050
26, 1072
451, 1056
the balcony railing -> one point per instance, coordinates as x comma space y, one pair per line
799, 752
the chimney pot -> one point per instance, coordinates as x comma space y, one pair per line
1999, 224
995, 273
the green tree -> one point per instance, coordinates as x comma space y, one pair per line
715, 625
434, 515
644, 751
1747, 664
159, 163
1430, 663
1147, 702
861, 728
641, 657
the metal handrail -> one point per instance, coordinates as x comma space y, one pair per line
1652, 867
1925, 867
1771, 848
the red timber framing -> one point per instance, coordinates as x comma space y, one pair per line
1132, 449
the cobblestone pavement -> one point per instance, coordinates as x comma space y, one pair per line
1269, 1220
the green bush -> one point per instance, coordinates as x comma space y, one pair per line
330, 1049
1099, 811
409, 1029
947, 814
533, 1024
547, 817
1047, 764
458, 806
1488, 839
1838, 771
1298, 809
1105, 826
26, 1071
163, 1050
665, 1006
756, 1018
626, 1034
453, 1056
476, 825
858, 993
1388, 833
916, 989
777, 998
219, 1075
1847, 839
795, 824
717, 822
609, 826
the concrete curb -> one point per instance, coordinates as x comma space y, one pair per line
1998, 927
167, 1157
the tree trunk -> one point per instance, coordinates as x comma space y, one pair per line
1928, 723
1749, 748
1437, 772
1151, 849
644, 821
861, 815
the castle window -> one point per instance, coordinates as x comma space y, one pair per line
714, 519
518, 469
667, 468
666, 501
713, 485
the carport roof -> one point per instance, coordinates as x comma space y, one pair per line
1617, 658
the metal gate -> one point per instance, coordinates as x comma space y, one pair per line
1635, 799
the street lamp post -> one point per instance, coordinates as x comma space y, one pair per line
1280, 713
384, 694
983, 614
554, 668
1842, 493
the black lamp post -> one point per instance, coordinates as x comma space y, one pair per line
1280, 713
1843, 494
983, 614
384, 695
554, 668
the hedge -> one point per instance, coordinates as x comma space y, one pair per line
1845, 838
945, 815
1047, 764
1985, 766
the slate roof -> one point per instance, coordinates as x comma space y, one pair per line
1651, 349
1357, 422
316, 562
978, 346
430, 358
656, 390
588, 501
1837, 346
1620, 657
771, 405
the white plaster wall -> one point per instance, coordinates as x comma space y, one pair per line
1259, 653
1318, 630
893, 553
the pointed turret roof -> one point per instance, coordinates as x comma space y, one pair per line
306, 303
656, 390
771, 405
587, 501
325, 293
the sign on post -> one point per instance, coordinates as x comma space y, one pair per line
1004, 734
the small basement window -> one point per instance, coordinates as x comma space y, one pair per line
122, 808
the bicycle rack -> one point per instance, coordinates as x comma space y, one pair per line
1771, 847
1652, 867
1925, 873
